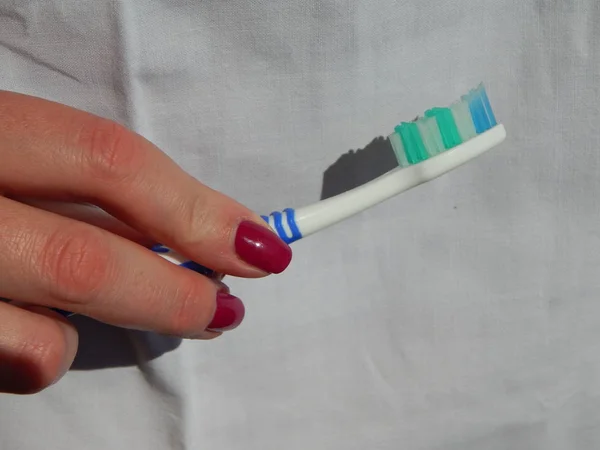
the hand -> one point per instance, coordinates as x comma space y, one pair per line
55, 253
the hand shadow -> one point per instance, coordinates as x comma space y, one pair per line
103, 346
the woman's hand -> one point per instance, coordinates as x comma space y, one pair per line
57, 253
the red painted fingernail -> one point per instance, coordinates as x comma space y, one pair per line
262, 248
229, 313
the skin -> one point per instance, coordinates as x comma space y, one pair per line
57, 251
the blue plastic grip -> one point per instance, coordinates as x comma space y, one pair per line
278, 222
198, 268
289, 215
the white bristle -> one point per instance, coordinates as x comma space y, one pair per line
464, 122
398, 147
430, 134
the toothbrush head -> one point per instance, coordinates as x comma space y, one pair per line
442, 129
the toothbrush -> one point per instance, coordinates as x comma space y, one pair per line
440, 141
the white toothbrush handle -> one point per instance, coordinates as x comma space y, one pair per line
292, 225
325, 213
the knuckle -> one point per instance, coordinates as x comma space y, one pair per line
75, 261
197, 219
111, 152
191, 311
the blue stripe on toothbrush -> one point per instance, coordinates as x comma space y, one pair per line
63, 312
198, 268
291, 218
159, 248
278, 223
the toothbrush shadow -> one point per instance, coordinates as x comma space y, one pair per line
356, 168
103, 346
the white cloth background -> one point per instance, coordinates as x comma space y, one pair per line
461, 315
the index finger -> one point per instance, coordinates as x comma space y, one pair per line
51, 150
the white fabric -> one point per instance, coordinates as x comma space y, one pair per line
462, 315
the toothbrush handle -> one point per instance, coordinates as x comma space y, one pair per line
282, 223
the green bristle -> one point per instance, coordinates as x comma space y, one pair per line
464, 122
430, 133
447, 126
396, 142
413, 144
442, 129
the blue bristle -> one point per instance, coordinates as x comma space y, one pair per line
480, 119
488, 107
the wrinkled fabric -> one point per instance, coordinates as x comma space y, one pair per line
462, 315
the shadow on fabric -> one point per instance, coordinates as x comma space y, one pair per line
356, 168
103, 346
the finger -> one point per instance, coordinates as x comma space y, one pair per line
54, 261
229, 313
90, 214
37, 347
95, 216
52, 150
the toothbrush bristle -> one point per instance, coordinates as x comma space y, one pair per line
442, 129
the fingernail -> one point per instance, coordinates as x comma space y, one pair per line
262, 248
229, 313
